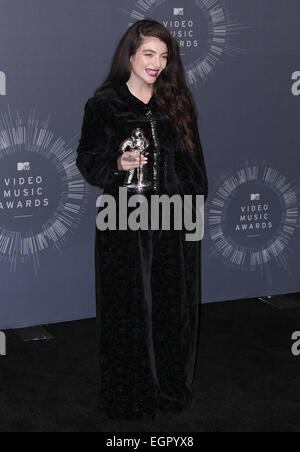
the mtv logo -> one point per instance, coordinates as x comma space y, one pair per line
255, 197
23, 166
178, 11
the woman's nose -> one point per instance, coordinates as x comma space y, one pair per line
157, 62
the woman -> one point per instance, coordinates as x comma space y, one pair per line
147, 281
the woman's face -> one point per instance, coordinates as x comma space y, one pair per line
149, 60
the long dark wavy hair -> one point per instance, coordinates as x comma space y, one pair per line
170, 87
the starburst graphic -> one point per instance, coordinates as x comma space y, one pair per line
43, 195
253, 216
204, 30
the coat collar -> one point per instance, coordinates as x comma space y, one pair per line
126, 94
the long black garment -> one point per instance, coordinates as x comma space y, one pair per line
148, 284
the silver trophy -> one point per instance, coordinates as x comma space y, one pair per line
136, 178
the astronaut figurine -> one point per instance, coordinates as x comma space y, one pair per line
136, 179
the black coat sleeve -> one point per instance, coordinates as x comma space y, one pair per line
95, 160
192, 170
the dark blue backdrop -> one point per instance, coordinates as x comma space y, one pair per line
242, 65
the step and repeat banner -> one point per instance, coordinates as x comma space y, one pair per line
242, 65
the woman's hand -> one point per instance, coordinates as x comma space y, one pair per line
131, 159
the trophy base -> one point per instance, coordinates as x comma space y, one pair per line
139, 188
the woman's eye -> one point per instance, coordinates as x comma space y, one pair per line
150, 55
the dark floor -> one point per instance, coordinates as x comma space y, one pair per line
247, 379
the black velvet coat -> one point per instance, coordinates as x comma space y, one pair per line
148, 284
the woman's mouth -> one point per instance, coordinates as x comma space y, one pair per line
152, 72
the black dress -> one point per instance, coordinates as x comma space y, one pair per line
148, 285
